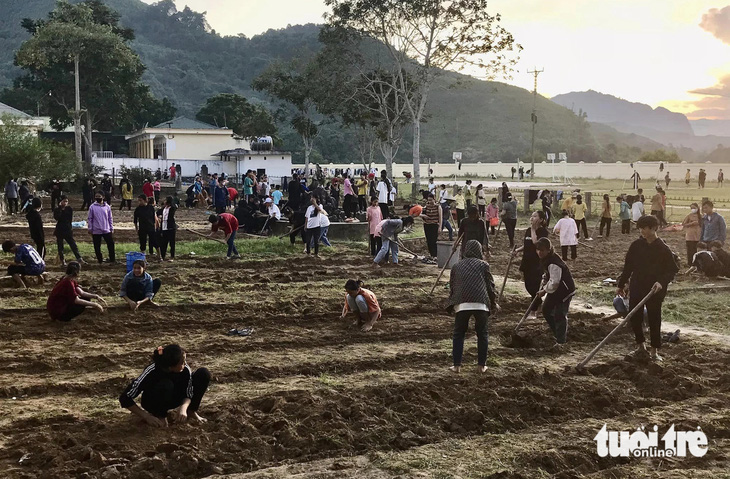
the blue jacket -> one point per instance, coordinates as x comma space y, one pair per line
145, 281
713, 228
221, 194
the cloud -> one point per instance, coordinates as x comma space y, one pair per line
717, 22
713, 102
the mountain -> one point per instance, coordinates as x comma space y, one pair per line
706, 127
625, 115
188, 62
659, 124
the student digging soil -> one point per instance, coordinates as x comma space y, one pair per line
649, 263
363, 303
471, 294
171, 391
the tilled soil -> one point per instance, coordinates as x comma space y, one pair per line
307, 389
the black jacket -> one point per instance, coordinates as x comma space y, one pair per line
567, 285
35, 223
144, 218
171, 224
647, 264
64, 217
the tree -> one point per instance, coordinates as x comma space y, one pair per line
660, 155
247, 120
23, 154
301, 89
426, 37
364, 92
86, 38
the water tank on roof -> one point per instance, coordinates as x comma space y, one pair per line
262, 143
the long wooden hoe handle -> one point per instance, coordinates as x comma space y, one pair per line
529, 308
456, 245
638, 307
506, 274
206, 236
291, 231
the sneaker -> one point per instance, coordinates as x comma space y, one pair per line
236, 256
557, 347
639, 353
589, 239
599, 236
655, 357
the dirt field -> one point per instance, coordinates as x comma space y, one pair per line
308, 395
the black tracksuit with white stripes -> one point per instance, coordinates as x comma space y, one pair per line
163, 390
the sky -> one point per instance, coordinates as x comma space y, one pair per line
670, 53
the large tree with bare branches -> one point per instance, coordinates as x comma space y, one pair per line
425, 37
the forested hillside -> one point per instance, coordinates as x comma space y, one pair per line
188, 62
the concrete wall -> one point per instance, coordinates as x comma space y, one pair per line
276, 164
621, 171
191, 147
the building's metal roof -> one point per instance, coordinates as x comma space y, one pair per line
184, 123
9, 110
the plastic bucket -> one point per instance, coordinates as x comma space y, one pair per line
132, 257
443, 251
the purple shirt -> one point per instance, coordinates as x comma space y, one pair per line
100, 219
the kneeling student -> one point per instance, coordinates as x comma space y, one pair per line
27, 262
363, 303
171, 391
138, 287
560, 288
67, 300
649, 264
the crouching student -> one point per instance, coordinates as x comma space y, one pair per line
472, 294
389, 234
559, 287
649, 264
171, 391
363, 303
27, 262
138, 287
67, 300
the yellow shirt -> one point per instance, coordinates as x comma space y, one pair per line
579, 211
567, 204
362, 187
127, 192
460, 202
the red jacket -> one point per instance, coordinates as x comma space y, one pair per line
228, 223
148, 190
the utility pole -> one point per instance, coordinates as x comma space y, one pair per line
77, 116
535, 72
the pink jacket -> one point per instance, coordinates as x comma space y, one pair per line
373, 216
492, 211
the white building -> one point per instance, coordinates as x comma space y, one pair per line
34, 124
183, 139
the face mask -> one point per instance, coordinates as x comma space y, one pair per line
694, 210
100, 200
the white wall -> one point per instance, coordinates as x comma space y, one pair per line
275, 164
647, 171
190, 146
